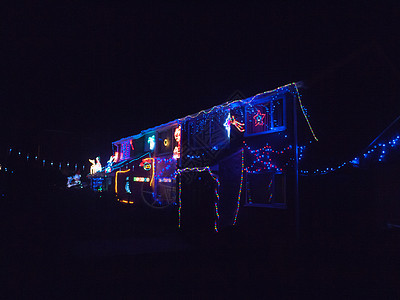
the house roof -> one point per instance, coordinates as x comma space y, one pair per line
229, 104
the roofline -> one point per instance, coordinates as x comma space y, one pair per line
195, 115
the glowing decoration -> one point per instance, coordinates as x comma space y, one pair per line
167, 180
242, 101
230, 120
148, 164
370, 153
304, 112
166, 142
96, 165
126, 201
93, 166
239, 126
97, 184
240, 189
259, 118
116, 156
131, 142
151, 140
74, 180
125, 150
141, 179
263, 161
127, 188
216, 202
227, 125
110, 162
116, 179
177, 136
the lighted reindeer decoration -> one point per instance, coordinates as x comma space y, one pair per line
96, 165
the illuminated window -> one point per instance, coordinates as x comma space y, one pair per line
266, 117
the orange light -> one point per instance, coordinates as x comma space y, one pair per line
116, 179
144, 164
239, 126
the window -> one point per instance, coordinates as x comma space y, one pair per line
265, 117
266, 189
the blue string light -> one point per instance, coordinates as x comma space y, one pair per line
240, 189
370, 154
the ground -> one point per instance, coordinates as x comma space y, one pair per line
76, 244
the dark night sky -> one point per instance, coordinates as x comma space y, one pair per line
109, 69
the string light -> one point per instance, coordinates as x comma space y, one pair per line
165, 180
385, 148
116, 179
247, 101
231, 103
126, 150
263, 161
34, 158
179, 201
216, 202
141, 179
304, 112
240, 189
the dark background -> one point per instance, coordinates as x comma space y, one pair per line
77, 75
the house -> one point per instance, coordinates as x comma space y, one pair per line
240, 157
